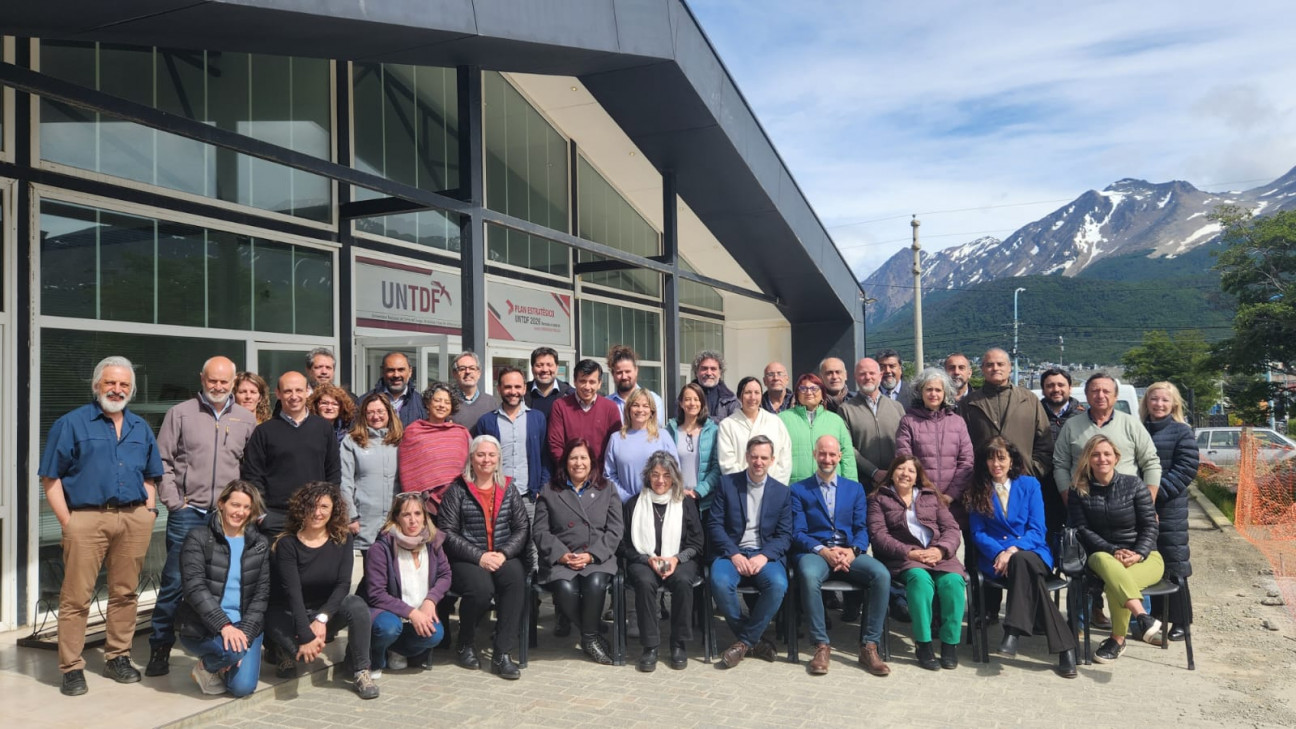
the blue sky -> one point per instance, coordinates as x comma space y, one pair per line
982, 117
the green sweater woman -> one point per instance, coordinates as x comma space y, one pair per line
809, 420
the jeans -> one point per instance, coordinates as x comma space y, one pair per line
179, 524
772, 584
390, 633
866, 572
244, 666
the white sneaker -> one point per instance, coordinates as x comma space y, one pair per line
211, 684
396, 661
375, 673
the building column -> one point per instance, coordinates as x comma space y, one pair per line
670, 291
472, 228
345, 360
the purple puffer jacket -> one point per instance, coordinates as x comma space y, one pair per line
381, 586
939, 440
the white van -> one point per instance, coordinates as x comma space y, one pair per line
1126, 397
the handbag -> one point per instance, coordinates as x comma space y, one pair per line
1070, 554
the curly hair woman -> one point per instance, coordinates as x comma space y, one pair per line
334, 405
433, 450
309, 595
252, 392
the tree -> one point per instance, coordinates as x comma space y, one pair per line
1184, 360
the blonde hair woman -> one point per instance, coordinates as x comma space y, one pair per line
628, 450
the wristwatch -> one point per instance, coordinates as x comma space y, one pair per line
323, 618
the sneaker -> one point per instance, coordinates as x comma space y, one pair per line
211, 684
396, 661
1149, 628
73, 683
159, 663
1109, 651
120, 670
365, 686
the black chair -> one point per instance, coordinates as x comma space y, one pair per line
531, 617
787, 626
980, 622
1165, 588
700, 605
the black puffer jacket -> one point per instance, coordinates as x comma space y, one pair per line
1119, 515
204, 568
1177, 449
1074, 407
464, 524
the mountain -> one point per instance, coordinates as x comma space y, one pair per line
1133, 220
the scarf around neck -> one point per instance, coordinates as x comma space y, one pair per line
643, 533
410, 543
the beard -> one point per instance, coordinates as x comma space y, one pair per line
868, 389
216, 398
890, 382
113, 406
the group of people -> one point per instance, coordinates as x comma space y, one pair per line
382, 512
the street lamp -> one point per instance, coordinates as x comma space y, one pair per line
1016, 371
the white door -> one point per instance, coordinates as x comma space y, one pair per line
428, 355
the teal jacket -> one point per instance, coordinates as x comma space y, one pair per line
708, 459
803, 437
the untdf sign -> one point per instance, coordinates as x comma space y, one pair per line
406, 298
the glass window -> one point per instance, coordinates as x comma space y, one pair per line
606, 217
697, 335
698, 295
166, 374
100, 264
526, 177
604, 324
277, 99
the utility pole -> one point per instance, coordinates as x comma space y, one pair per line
864, 302
1016, 370
917, 272
1061, 352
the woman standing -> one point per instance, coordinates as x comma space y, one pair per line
1006, 509
368, 459
433, 450
406, 575
334, 405
749, 421
486, 530
809, 420
252, 392
694, 434
578, 527
663, 538
1116, 522
938, 437
309, 600
916, 537
225, 575
628, 450
1162, 412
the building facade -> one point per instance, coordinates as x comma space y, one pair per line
257, 179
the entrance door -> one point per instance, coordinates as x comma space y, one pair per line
428, 355
501, 356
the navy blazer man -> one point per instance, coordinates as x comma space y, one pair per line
727, 518
537, 429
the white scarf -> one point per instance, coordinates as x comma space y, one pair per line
643, 532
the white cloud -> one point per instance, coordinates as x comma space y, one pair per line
887, 109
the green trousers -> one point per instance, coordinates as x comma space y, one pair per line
922, 586
1122, 584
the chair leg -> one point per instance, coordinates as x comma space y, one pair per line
527, 620
1165, 622
790, 604
619, 614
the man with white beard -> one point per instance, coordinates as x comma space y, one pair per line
201, 443
99, 470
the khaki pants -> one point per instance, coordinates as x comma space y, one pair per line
119, 539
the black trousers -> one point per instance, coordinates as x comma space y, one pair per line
353, 615
476, 588
645, 582
581, 599
1030, 607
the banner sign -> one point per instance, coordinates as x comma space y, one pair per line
519, 314
406, 298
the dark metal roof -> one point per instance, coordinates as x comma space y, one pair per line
646, 61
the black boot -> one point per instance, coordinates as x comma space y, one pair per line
595, 649
1066, 664
159, 663
648, 661
926, 657
502, 665
949, 656
678, 656
1008, 646
467, 657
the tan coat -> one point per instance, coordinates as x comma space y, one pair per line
874, 436
1024, 424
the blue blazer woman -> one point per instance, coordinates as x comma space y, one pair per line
1022, 527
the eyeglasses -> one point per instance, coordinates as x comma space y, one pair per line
775, 375
327, 405
422, 496
467, 368
808, 388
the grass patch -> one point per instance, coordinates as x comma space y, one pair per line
1219, 495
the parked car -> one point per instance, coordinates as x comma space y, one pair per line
1220, 445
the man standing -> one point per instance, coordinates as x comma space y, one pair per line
583, 414
320, 364
289, 450
749, 529
708, 373
201, 443
1060, 407
959, 369
833, 373
777, 397
476, 402
624, 368
399, 389
99, 470
1011, 411
830, 518
872, 421
522, 433
893, 384
1138, 456
545, 387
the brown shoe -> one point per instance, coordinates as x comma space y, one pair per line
733, 655
819, 664
764, 650
872, 662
